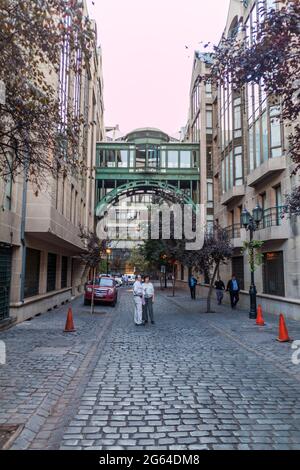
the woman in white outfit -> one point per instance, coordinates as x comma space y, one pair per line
148, 300
138, 300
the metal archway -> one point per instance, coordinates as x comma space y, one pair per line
143, 187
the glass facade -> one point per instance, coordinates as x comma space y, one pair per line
147, 156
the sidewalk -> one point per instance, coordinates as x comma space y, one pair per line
43, 363
237, 326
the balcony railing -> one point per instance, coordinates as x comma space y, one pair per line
234, 231
272, 217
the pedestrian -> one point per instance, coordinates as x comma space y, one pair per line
220, 287
138, 300
125, 279
192, 286
148, 292
233, 287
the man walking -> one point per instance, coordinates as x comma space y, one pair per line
148, 291
220, 287
233, 287
138, 300
192, 286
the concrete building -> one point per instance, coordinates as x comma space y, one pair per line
251, 166
39, 243
199, 129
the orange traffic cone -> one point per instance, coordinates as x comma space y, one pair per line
283, 332
69, 323
260, 318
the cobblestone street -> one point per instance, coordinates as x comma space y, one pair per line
191, 381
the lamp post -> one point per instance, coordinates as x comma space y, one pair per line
251, 222
108, 252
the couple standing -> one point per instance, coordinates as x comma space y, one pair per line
143, 295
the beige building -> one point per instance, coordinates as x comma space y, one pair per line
40, 266
199, 129
251, 166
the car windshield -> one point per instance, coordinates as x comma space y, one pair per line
103, 282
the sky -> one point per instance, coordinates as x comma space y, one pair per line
146, 65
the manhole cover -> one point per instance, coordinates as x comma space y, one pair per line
8, 434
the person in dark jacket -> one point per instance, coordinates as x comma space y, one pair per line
220, 287
233, 287
192, 286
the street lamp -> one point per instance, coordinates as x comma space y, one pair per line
251, 222
108, 252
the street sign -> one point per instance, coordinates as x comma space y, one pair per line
162, 269
2, 92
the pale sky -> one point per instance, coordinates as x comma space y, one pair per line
146, 67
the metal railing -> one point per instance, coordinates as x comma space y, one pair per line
272, 217
234, 231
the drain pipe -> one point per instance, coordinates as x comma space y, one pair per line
23, 226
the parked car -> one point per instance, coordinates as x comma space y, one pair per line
104, 291
131, 278
118, 280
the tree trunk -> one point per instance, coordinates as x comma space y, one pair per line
173, 293
208, 304
92, 300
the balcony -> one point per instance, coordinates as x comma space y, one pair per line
234, 233
236, 192
273, 226
272, 167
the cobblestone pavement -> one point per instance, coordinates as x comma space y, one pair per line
191, 381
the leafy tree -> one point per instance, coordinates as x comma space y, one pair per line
94, 250
138, 261
273, 60
39, 126
216, 250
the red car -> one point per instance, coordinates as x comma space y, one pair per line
105, 290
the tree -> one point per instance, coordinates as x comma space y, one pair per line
272, 59
40, 128
92, 254
138, 261
216, 250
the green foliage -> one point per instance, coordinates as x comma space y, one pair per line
254, 253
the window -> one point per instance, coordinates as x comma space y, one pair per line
275, 131
208, 119
195, 158
257, 143
140, 156
51, 272
185, 159
273, 273
209, 194
209, 169
237, 116
122, 158
64, 271
251, 149
131, 158
32, 273
208, 90
238, 166
110, 158
172, 159
153, 156
8, 183
163, 158
265, 144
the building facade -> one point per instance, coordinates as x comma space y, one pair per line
40, 266
250, 166
199, 129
